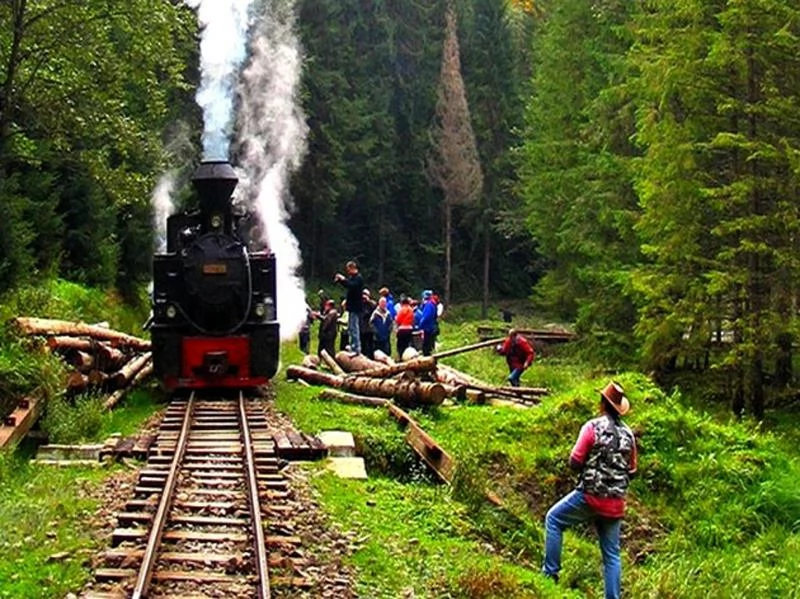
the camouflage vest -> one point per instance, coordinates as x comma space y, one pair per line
605, 473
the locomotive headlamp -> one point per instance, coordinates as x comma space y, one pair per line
216, 221
171, 311
260, 310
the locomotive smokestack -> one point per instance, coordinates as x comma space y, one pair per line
214, 182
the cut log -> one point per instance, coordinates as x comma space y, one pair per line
407, 392
524, 391
355, 362
422, 443
77, 382
351, 398
142, 374
124, 375
381, 357
421, 364
63, 343
467, 348
97, 378
456, 377
48, 327
310, 361
79, 359
409, 353
330, 362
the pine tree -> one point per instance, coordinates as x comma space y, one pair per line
719, 183
454, 166
574, 168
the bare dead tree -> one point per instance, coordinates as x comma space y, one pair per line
454, 165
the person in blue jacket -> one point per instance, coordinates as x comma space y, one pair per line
426, 320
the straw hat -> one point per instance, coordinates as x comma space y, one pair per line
615, 395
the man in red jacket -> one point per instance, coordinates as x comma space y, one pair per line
519, 355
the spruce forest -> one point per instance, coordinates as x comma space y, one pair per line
631, 167
627, 171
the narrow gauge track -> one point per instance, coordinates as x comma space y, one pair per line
195, 527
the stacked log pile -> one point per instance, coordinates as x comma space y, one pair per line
418, 381
101, 358
421, 380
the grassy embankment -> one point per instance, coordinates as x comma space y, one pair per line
714, 513
46, 532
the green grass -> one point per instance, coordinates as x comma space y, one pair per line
715, 511
47, 531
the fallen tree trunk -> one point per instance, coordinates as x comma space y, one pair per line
330, 362
467, 348
408, 392
355, 363
124, 375
351, 398
142, 374
48, 327
421, 364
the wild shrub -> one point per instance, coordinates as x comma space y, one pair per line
68, 421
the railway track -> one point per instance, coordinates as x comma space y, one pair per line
205, 518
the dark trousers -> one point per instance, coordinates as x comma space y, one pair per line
305, 340
368, 343
403, 341
428, 343
328, 344
385, 345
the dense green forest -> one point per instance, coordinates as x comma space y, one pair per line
639, 162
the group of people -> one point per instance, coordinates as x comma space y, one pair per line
364, 325
604, 453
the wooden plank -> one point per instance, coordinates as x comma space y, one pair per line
20, 421
424, 445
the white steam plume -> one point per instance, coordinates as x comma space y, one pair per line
272, 142
163, 207
224, 26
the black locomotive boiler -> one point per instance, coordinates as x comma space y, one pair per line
214, 320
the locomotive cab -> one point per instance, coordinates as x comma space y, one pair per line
214, 311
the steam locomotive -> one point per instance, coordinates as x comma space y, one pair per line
214, 322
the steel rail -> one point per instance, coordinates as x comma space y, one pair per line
255, 504
160, 519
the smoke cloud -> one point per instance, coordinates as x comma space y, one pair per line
271, 143
163, 207
223, 48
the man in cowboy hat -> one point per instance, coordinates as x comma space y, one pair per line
605, 454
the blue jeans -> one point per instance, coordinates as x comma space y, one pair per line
513, 378
353, 331
573, 509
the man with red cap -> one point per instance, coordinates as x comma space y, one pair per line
605, 455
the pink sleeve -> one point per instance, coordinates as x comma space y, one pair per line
584, 444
